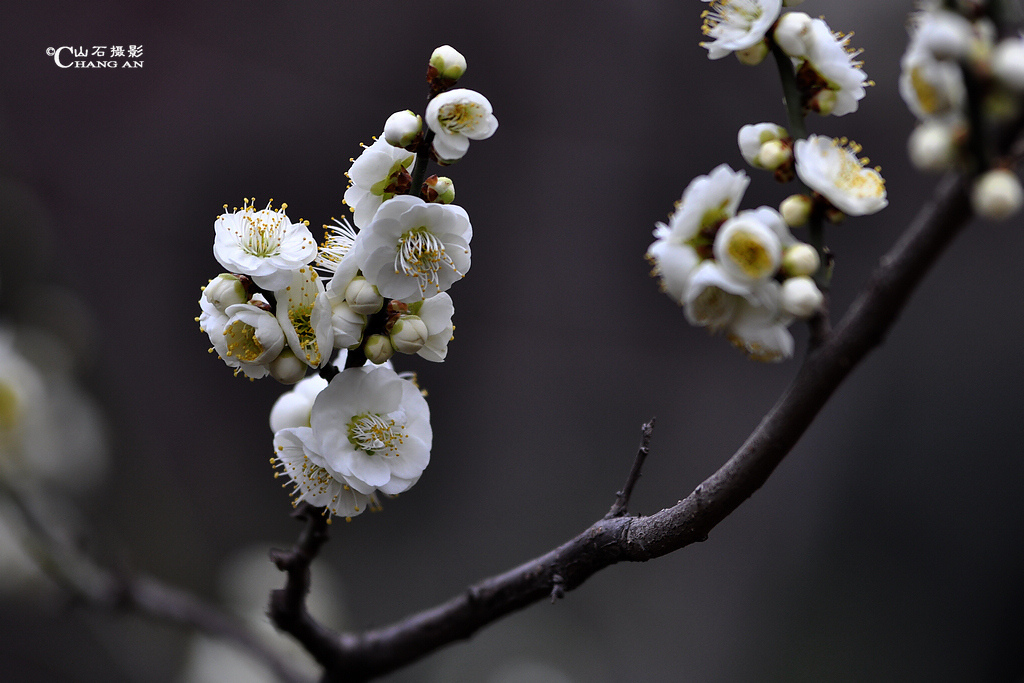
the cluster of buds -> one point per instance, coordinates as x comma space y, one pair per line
961, 81
366, 293
744, 272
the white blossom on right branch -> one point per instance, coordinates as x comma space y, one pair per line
828, 167
456, 117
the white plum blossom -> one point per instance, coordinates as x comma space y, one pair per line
736, 25
762, 330
931, 87
377, 175
372, 428
246, 337
712, 297
748, 247
304, 313
841, 80
414, 250
436, 313
338, 242
833, 170
686, 239
264, 245
292, 408
456, 117
313, 480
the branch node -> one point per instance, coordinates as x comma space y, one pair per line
622, 497
557, 588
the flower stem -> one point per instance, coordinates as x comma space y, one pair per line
790, 93
422, 159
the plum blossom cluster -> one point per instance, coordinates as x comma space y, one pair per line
962, 81
742, 271
738, 271
286, 305
830, 76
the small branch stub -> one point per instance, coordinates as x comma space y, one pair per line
622, 497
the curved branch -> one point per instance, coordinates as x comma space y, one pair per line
100, 588
362, 656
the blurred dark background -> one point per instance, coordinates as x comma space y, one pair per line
887, 546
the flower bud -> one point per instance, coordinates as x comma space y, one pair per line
800, 297
409, 334
449, 62
932, 147
800, 259
402, 127
287, 368
793, 33
378, 348
823, 102
225, 290
439, 190
947, 35
796, 210
347, 325
1008, 62
774, 154
753, 55
362, 297
997, 195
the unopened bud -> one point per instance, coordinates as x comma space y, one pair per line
997, 195
796, 210
402, 127
287, 368
409, 334
947, 35
753, 55
800, 297
823, 102
449, 62
774, 154
378, 348
792, 33
362, 297
931, 147
225, 290
800, 259
439, 190
1008, 62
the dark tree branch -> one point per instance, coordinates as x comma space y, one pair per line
622, 497
359, 657
99, 588
288, 605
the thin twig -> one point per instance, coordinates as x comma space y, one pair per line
622, 497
